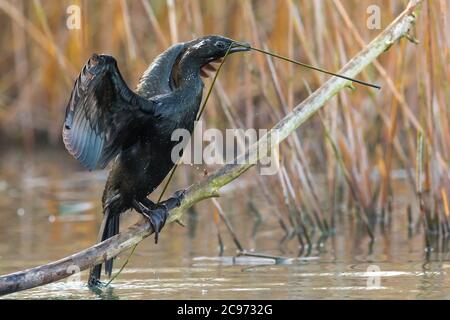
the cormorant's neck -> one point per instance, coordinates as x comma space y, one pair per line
186, 72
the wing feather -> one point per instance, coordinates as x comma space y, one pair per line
100, 110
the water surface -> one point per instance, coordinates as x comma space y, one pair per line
50, 208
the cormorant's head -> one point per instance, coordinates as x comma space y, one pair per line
212, 48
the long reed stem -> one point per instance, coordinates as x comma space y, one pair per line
316, 68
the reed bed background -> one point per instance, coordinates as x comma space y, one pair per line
348, 159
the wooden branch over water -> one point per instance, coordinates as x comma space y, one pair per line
210, 186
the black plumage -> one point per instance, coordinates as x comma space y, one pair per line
106, 120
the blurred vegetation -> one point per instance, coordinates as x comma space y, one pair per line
352, 153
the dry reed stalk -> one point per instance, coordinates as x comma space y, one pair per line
154, 22
131, 42
172, 21
227, 222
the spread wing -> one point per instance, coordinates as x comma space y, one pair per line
101, 112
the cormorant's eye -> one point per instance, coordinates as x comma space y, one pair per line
221, 45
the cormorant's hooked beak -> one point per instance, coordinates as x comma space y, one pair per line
210, 66
239, 47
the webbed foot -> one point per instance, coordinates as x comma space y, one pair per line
157, 216
175, 200
157, 213
95, 283
171, 203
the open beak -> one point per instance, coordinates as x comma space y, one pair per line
239, 47
212, 66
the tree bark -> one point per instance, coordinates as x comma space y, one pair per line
210, 186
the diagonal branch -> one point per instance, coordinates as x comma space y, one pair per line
210, 186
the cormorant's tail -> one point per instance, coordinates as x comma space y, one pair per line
108, 229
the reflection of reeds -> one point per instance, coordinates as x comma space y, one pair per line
347, 155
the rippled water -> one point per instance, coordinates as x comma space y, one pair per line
50, 208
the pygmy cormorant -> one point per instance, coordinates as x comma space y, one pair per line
105, 120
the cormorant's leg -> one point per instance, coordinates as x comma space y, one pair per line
171, 203
106, 231
157, 217
149, 203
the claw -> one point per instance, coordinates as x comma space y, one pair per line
156, 235
179, 195
156, 217
181, 223
157, 214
